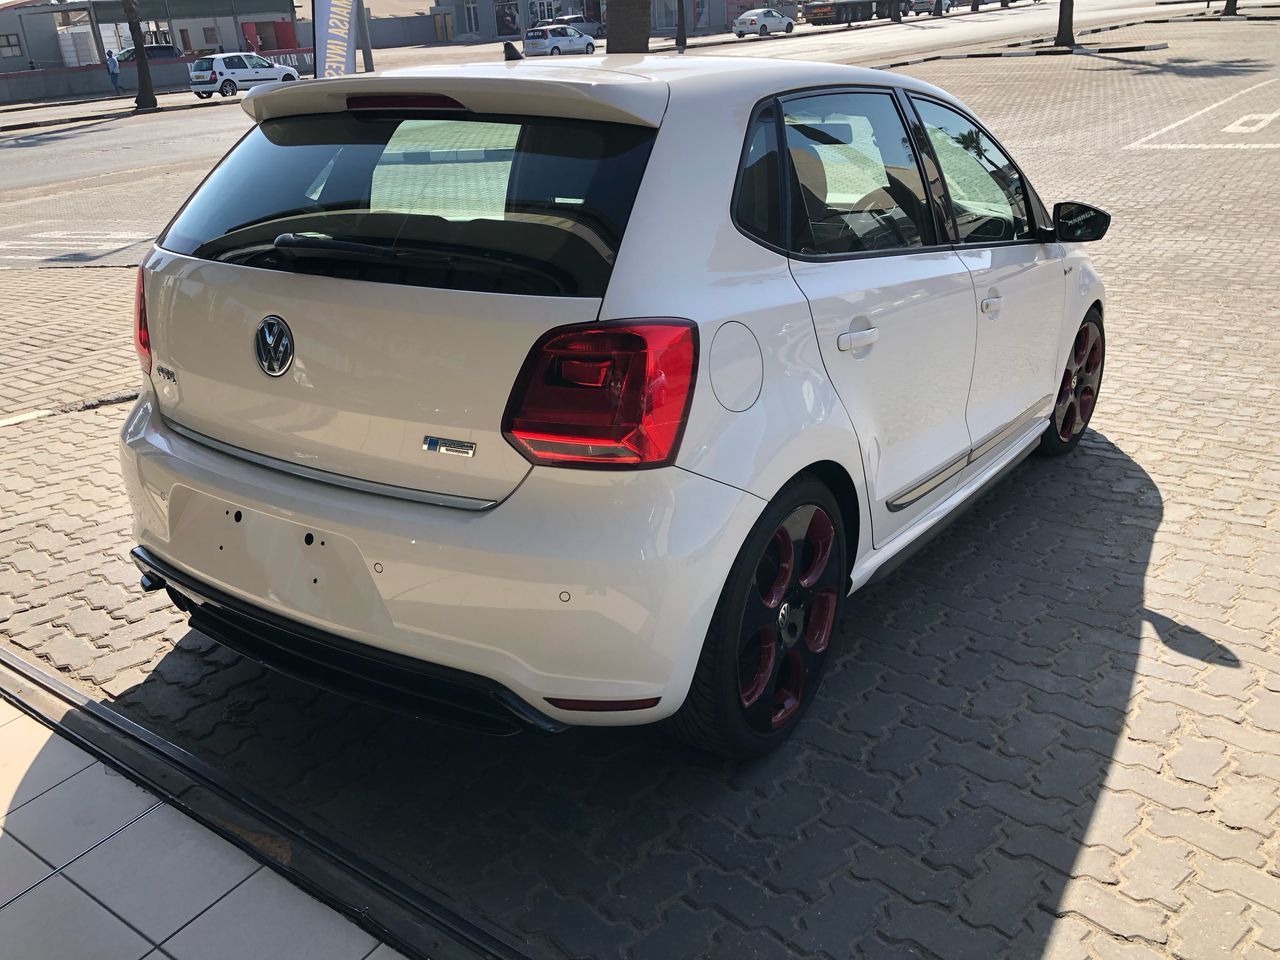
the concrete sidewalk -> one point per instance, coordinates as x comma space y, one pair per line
92, 866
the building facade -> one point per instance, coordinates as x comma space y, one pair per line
48, 34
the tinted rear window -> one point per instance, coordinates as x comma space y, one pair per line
525, 205
204, 63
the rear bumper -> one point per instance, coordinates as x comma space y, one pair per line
352, 669
580, 586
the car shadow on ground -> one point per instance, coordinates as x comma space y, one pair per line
938, 795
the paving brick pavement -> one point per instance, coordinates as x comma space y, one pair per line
1055, 733
68, 338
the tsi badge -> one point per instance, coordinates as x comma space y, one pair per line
456, 448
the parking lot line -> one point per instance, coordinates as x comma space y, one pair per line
1198, 113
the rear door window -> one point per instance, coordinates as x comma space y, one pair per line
857, 186
234, 63
527, 205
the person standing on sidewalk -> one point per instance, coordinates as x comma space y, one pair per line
113, 71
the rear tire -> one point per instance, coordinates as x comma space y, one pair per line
204, 96
741, 34
781, 603
555, 51
764, 31
228, 88
1078, 389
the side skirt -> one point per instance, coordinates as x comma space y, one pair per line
880, 563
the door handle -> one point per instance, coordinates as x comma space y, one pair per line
857, 339
991, 304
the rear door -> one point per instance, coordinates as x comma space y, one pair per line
893, 308
238, 70
1018, 281
353, 295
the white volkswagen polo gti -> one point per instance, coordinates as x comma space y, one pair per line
539, 394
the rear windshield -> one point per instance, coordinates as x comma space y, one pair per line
523, 205
204, 63
535, 35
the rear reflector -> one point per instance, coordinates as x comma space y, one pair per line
141, 335
605, 395
603, 706
403, 101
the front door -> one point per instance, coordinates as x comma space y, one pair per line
1018, 281
892, 307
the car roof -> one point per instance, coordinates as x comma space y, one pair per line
630, 88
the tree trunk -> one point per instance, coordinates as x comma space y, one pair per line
1230, 9
1066, 16
682, 37
146, 99
628, 26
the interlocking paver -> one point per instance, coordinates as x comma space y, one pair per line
1053, 733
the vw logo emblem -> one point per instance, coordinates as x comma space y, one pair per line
273, 346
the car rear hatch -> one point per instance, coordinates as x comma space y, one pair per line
351, 294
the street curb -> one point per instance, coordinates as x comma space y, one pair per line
1048, 52
47, 104
61, 121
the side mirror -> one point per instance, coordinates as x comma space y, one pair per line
1079, 222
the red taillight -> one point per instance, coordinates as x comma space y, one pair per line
141, 336
605, 395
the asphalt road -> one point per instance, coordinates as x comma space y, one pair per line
97, 192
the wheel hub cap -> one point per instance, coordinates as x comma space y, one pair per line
790, 623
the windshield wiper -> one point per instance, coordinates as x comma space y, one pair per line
297, 245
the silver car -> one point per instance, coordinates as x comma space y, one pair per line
556, 39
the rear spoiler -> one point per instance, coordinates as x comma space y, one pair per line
519, 87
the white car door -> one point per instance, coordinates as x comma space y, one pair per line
892, 306
238, 70
264, 71
1019, 287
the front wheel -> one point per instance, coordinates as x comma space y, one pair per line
790, 27
1078, 389
228, 88
288, 78
591, 48
766, 649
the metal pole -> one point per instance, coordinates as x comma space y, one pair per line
97, 35
362, 21
173, 32
235, 20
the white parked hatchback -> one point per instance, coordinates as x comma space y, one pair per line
466, 393
556, 39
229, 73
762, 21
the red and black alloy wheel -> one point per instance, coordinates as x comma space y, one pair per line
1078, 388
788, 618
770, 638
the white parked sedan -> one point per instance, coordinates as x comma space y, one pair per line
466, 393
553, 40
762, 21
228, 73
